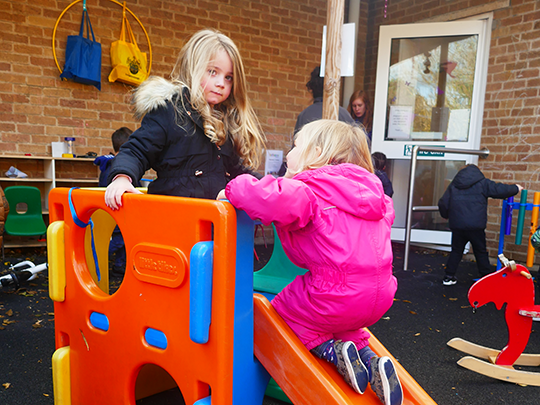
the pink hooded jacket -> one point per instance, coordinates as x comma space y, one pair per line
334, 221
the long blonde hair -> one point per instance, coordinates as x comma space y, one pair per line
235, 116
331, 142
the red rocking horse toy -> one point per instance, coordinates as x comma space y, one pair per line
514, 286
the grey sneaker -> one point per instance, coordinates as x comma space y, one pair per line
350, 366
385, 381
449, 280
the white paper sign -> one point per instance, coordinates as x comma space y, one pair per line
458, 125
274, 159
347, 50
400, 122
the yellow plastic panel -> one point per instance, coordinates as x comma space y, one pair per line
57, 261
61, 376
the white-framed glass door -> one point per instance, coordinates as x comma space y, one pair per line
430, 87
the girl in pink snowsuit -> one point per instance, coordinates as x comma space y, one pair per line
333, 218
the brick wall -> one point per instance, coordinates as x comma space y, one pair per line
280, 42
511, 128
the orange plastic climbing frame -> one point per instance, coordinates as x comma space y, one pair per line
104, 340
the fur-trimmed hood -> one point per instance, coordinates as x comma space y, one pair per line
153, 93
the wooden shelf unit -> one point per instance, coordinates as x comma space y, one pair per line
46, 173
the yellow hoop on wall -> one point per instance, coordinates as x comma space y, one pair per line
113, 1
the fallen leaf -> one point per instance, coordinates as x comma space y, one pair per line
412, 312
386, 318
45, 395
9, 312
50, 313
452, 299
7, 322
6, 385
37, 324
417, 334
407, 301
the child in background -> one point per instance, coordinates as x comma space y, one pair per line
199, 129
117, 248
333, 218
118, 138
379, 163
361, 110
464, 204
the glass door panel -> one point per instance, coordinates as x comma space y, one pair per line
430, 87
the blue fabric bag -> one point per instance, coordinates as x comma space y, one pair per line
83, 56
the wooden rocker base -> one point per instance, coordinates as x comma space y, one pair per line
503, 373
487, 353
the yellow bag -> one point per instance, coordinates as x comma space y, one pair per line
129, 63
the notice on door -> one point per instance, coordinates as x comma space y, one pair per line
274, 159
400, 122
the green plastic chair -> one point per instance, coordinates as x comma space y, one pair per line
278, 272
20, 222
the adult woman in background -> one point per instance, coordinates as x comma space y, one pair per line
361, 110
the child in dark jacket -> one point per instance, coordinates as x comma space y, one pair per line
379, 164
198, 130
464, 204
118, 138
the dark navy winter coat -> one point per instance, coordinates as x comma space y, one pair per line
187, 163
386, 183
465, 201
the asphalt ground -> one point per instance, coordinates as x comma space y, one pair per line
415, 330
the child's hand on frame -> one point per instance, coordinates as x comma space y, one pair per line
120, 185
221, 195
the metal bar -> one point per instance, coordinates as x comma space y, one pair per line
409, 207
414, 157
425, 208
483, 153
504, 215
